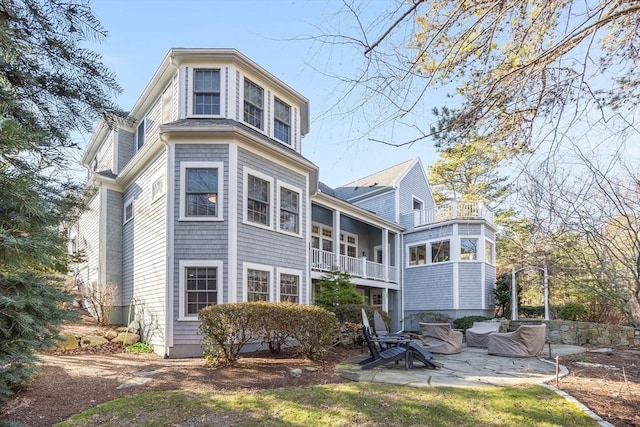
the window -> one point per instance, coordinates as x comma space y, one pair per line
201, 191
321, 238
489, 254
469, 249
157, 189
289, 288
440, 251
253, 104
349, 245
289, 210
140, 135
258, 200
128, 211
206, 92
417, 204
418, 255
281, 121
199, 286
257, 285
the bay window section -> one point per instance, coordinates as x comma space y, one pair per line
253, 103
418, 255
282, 121
258, 200
489, 253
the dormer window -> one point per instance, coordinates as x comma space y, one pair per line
282, 121
253, 103
206, 92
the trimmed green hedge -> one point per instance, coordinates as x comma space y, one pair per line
227, 328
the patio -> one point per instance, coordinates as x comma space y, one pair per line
473, 367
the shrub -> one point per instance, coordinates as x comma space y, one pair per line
467, 321
532, 311
101, 299
313, 330
225, 330
139, 347
572, 311
336, 289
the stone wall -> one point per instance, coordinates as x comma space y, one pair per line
592, 334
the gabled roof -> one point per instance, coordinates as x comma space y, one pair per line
378, 182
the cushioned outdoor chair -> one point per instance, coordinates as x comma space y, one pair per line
440, 338
526, 341
478, 334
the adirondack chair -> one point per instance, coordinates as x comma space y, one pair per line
400, 348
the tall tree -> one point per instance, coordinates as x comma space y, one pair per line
50, 86
518, 71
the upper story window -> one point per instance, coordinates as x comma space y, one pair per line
282, 121
321, 238
206, 92
289, 210
128, 211
440, 251
489, 252
253, 103
258, 200
418, 204
140, 135
349, 245
201, 191
469, 249
418, 255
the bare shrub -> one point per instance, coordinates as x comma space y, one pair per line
102, 299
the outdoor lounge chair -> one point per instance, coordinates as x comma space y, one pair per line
526, 341
404, 349
440, 338
478, 334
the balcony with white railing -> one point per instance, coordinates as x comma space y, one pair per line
356, 267
451, 211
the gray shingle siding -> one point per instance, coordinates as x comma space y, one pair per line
88, 241
469, 229
194, 240
414, 183
269, 247
125, 148
489, 284
104, 155
114, 238
144, 253
429, 287
490, 234
382, 205
469, 285
422, 235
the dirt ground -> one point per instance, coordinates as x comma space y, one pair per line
70, 382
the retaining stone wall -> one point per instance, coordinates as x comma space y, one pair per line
595, 334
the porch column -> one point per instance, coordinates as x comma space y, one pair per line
385, 253
385, 299
336, 239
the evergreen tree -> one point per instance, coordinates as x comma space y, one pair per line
336, 289
49, 87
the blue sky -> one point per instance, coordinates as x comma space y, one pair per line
271, 33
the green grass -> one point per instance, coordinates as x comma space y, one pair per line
140, 347
361, 404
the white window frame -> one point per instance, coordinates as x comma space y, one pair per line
183, 265
192, 84
430, 250
183, 188
419, 200
491, 259
427, 248
245, 198
322, 237
127, 203
274, 119
157, 196
478, 240
301, 208
142, 123
344, 242
292, 272
246, 266
264, 104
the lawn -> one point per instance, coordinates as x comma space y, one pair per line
362, 404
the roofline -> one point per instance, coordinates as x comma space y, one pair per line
346, 207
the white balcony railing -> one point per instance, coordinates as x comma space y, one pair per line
453, 210
357, 267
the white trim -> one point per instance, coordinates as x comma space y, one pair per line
170, 280
279, 185
413, 199
114, 136
183, 181
264, 104
293, 272
245, 193
184, 264
308, 218
142, 122
456, 286
482, 285
127, 202
232, 273
191, 86
261, 267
